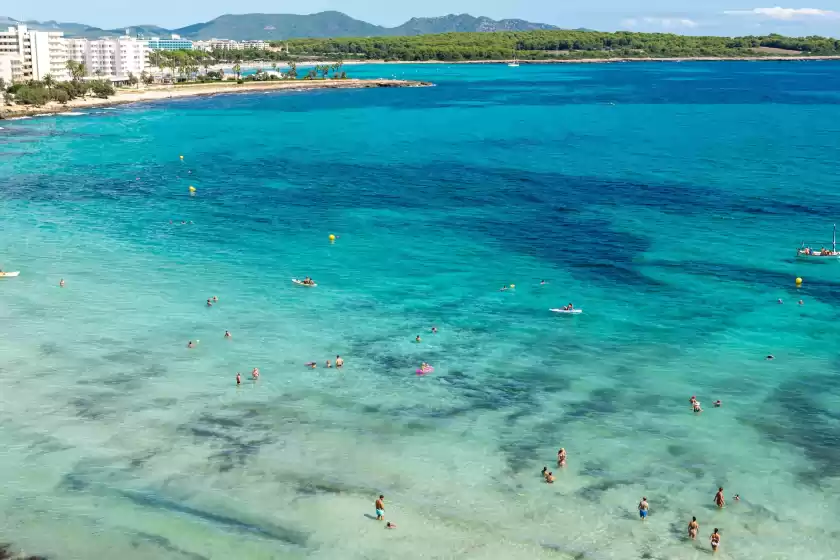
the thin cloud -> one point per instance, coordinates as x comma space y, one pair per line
784, 13
663, 22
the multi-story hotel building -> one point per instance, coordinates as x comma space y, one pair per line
113, 58
32, 55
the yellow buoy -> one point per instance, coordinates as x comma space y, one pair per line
192, 188
512, 286
799, 281
332, 237
182, 157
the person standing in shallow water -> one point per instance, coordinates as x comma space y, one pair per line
380, 507
561, 457
719, 500
644, 507
714, 540
693, 528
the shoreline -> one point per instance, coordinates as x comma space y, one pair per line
160, 93
353, 62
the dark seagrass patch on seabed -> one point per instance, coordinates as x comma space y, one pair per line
803, 413
235, 438
603, 400
95, 406
143, 539
227, 522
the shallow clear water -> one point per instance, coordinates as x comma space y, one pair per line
666, 200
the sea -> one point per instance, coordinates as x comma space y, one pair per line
664, 200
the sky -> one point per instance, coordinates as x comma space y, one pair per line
694, 17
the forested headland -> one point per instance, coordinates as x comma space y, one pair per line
555, 44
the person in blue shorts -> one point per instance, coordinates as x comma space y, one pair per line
380, 508
643, 508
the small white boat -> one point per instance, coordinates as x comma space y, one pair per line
806, 253
9, 274
515, 63
567, 311
304, 284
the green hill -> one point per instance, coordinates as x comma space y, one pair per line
291, 26
279, 26
463, 23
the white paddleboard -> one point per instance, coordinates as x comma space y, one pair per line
9, 274
300, 283
567, 311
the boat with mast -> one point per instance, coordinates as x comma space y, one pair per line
515, 63
822, 254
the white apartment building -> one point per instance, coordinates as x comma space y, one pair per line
11, 68
259, 44
40, 53
113, 58
217, 44
229, 45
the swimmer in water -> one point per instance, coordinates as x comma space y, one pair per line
434, 330
696, 407
311, 365
737, 498
238, 378
549, 478
215, 298
693, 528
61, 283
504, 289
339, 362
417, 338
801, 302
544, 472
718, 404
209, 303
329, 365
714, 540
771, 357
390, 525
719, 500
542, 282
780, 300
228, 335
190, 344
561, 457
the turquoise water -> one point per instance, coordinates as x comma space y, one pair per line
665, 200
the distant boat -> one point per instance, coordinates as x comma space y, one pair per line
515, 63
822, 254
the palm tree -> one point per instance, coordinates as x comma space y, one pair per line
237, 69
49, 82
155, 58
292, 73
77, 69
